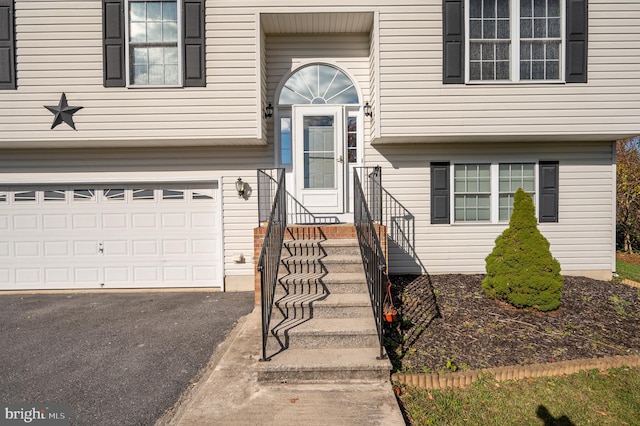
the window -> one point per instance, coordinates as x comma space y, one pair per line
154, 43
7, 46
285, 141
472, 192
510, 178
515, 41
484, 192
55, 195
493, 47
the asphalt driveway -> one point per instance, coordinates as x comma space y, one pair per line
114, 359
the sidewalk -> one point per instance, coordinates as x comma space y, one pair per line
230, 394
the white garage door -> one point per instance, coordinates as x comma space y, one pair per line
110, 236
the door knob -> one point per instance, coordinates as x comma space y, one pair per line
340, 159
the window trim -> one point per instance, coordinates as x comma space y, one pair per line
494, 200
192, 43
179, 45
515, 41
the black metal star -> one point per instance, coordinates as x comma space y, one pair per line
63, 112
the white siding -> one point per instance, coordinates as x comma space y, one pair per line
60, 50
416, 106
582, 241
239, 215
59, 45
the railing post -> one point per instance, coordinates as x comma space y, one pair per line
272, 246
372, 255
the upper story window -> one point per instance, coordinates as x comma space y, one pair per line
514, 41
153, 35
154, 43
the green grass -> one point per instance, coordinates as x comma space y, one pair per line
603, 398
628, 270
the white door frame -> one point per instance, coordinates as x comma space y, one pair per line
320, 200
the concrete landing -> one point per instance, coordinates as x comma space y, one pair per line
230, 394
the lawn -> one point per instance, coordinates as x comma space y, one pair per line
628, 267
595, 397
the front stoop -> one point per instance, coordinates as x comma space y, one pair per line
322, 326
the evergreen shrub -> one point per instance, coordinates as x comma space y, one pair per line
521, 269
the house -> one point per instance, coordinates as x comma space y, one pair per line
125, 125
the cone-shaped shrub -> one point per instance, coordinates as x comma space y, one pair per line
521, 269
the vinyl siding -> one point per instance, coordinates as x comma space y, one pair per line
582, 240
239, 216
416, 106
59, 50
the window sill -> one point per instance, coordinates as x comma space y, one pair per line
513, 83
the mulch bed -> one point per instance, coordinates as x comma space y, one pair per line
446, 323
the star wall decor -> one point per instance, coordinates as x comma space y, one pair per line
63, 112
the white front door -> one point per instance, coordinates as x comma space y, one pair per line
318, 165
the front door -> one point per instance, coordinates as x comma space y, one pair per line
319, 157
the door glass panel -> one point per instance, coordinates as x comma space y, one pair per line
319, 152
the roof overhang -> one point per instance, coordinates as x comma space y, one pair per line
317, 23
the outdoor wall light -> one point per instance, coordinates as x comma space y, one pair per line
367, 110
268, 111
241, 187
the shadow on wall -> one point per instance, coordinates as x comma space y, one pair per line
401, 229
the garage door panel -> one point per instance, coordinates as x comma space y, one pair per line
86, 248
57, 275
27, 249
55, 221
5, 277
85, 221
25, 222
144, 221
145, 248
87, 276
117, 275
117, 236
116, 248
174, 220
115, 221
56, 248
27, 276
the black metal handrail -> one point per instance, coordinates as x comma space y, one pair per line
373, 258
272, 245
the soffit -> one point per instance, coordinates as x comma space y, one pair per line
316, 23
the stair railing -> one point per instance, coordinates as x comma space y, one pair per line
272, 245
373, 258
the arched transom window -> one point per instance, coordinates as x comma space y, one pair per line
318, 84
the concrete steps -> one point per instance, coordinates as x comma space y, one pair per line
322, 325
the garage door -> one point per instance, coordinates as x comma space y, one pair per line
110, 236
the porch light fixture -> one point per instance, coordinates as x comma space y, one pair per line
367, 110
268, 111
241, 187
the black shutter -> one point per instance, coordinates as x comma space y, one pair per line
7, 46
577, 36
440, 193
194, 45
548, 191
453, 41
113, 43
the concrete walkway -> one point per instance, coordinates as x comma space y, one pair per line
229, 393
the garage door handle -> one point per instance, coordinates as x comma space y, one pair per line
101, 248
